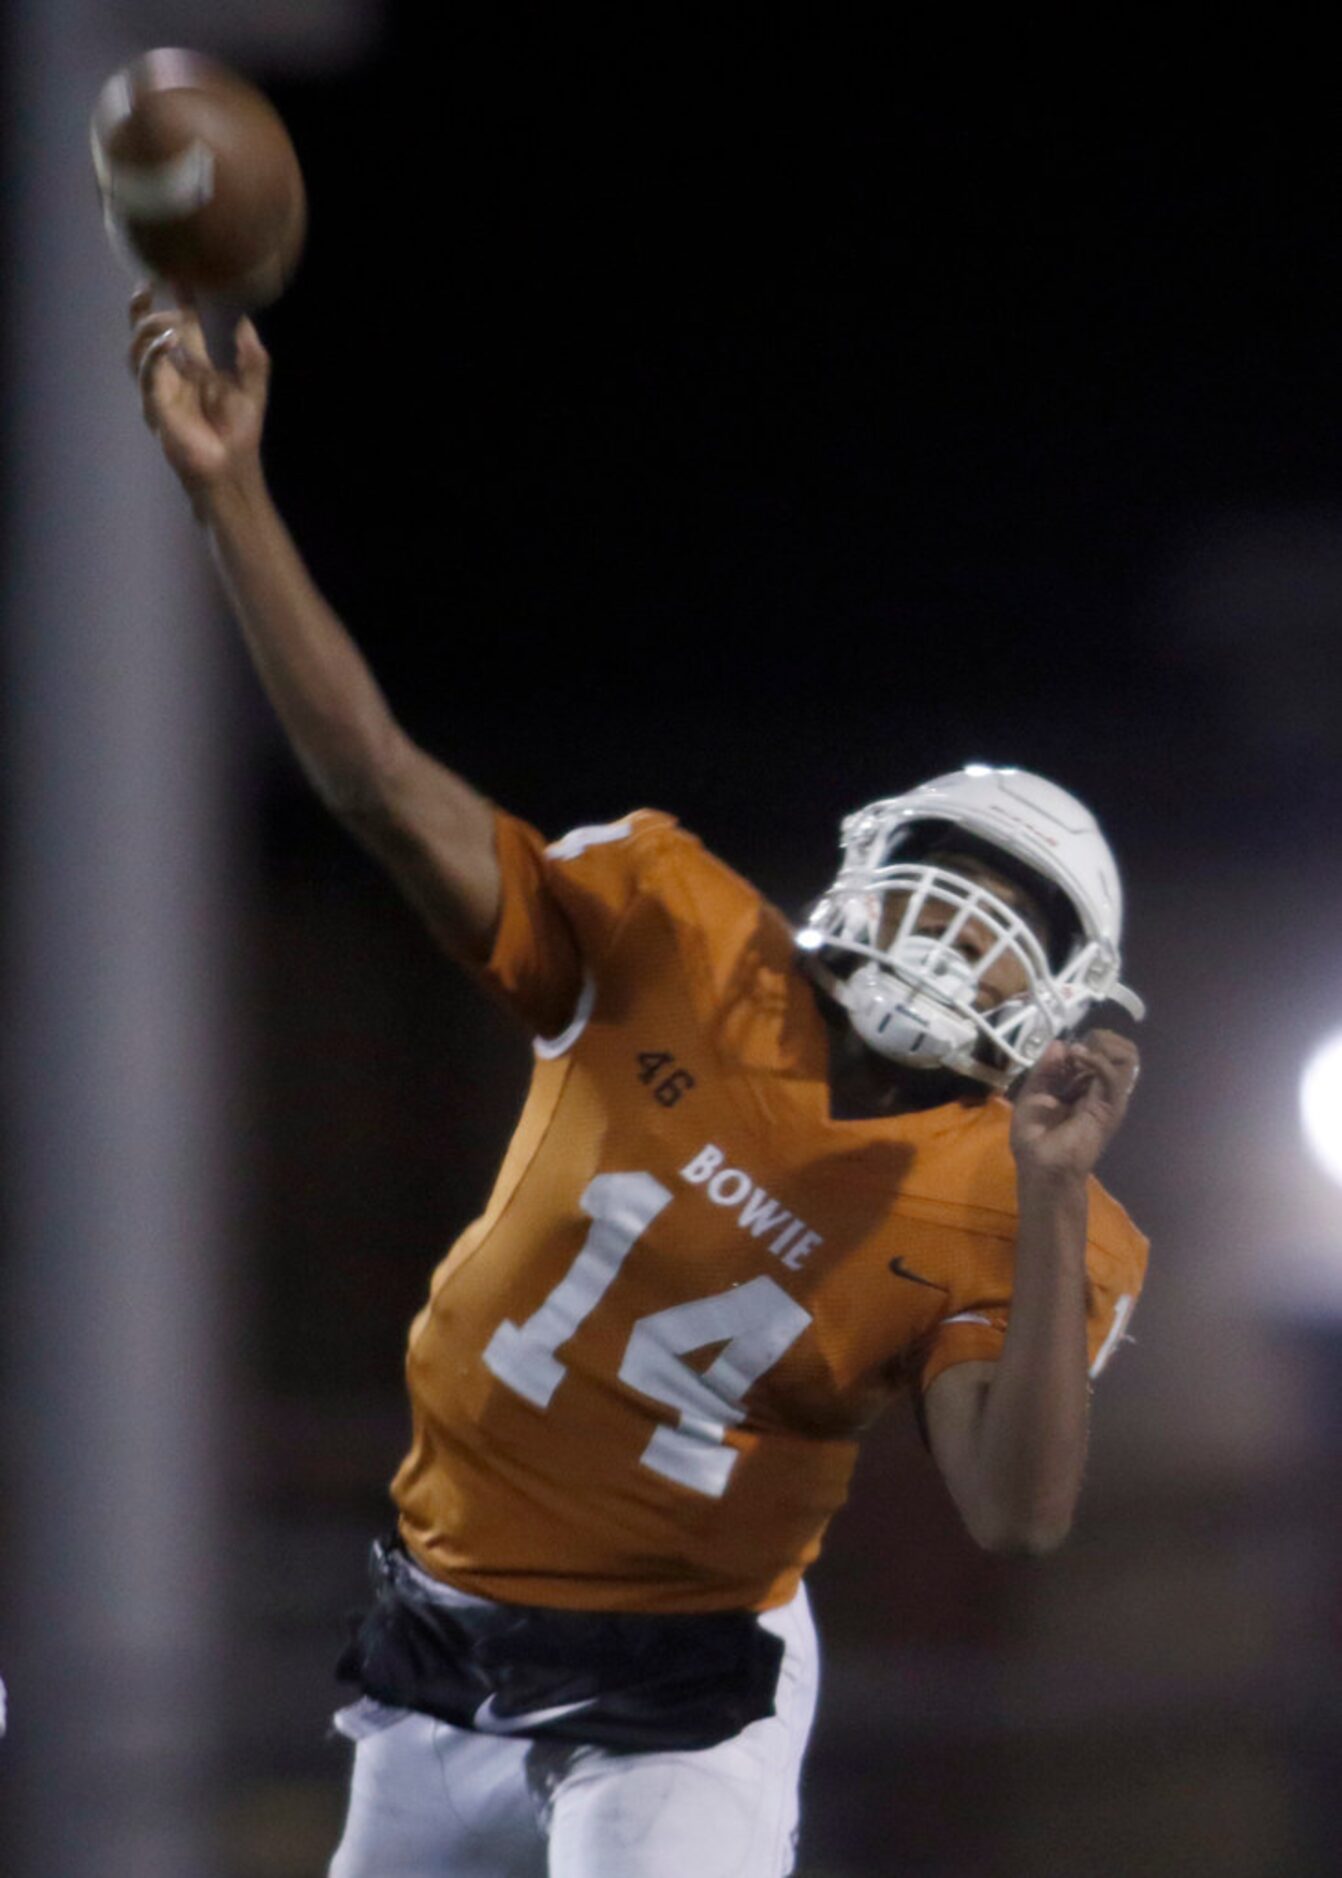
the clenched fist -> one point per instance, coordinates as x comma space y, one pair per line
1070, 1105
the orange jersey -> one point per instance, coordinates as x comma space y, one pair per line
640, 1377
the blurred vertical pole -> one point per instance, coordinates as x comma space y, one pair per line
115, 1046
121, 876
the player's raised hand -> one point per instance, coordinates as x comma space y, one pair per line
209, 420
1071, 1103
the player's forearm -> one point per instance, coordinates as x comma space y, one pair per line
1031, 1441
332, 708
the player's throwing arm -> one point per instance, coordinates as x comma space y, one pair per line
431, 829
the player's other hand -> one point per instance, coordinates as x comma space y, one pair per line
1071, 1104
209, 420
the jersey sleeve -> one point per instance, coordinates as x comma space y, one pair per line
1116, 1257
561, 905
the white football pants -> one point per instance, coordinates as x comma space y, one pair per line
428, 1800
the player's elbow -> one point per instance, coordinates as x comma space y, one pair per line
1036, 1541
1009, 1533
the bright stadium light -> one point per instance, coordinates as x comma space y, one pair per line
1321, 1105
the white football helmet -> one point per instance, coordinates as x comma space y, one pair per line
912, 995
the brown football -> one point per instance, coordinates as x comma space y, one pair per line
199, 180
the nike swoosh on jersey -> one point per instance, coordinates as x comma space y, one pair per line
489, 1721
901, 1270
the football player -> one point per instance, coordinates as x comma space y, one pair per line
764, 1182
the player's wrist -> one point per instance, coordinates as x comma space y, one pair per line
232, 498
1053, 1183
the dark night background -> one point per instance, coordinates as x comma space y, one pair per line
749, 432
874, 438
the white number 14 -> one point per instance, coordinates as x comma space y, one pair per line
755, 1322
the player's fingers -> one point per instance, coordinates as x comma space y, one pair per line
253, 361
151, 355
1049, 1068
169, 338
215, 392
169, 348
151, 331
193, 333
141, 301
1109, 1040
1114, 1067
161, 380
166, 369
1056, 1081
183, 322
1067, 1065
147, 329
1110, 1046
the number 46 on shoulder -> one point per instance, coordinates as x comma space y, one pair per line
668, 1080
